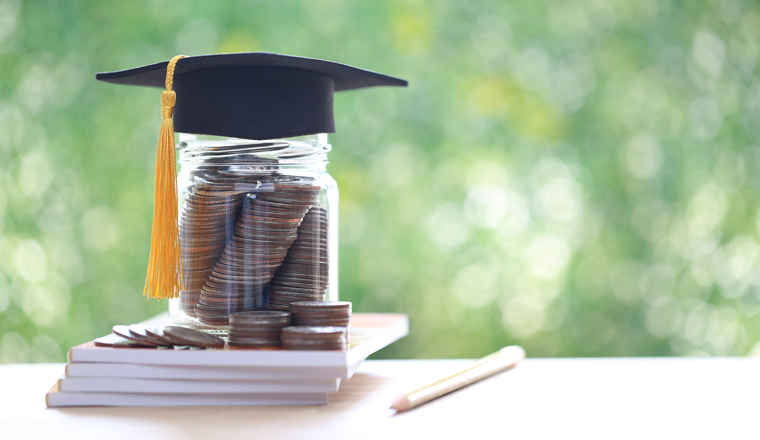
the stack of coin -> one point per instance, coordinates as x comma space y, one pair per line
303, 275
206, 221
313, 338
321, 313
257, 329
266, 227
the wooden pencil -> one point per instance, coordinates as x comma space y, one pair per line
503, 359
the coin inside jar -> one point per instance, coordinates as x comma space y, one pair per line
264, 230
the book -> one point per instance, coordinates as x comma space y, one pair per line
138, 371
368, 334
179, 386
56, 398
111, 376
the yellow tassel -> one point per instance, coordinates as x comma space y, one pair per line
164, 279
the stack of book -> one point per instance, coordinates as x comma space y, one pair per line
108, 376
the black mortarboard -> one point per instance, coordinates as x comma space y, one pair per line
255, 95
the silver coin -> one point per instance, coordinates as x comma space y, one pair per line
141, 333
196, 338
158, 333
123, 331
114, 340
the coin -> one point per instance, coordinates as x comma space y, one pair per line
158, 333
262, 317
140, 332
313, 338
322, 306
313, 333
266, 226
123, 331
256, 329
114, 340
321, 313
196, 338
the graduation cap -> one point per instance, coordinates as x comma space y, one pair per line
255, 95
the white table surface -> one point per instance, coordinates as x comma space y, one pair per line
624, 398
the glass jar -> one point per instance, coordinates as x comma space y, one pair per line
258, 226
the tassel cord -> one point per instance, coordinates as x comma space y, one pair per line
164, 278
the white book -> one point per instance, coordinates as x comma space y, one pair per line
368, 334
140, 371
56, 398
180, 386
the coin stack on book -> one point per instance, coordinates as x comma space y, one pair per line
321, 313
302, 337
257, 329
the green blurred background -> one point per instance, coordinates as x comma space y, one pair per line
580, 178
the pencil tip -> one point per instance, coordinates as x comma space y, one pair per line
400, 403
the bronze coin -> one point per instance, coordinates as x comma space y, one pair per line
259, 202
198, 249
275, 214
232, 194
257, 217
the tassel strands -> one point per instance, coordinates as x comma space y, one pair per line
164, 278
